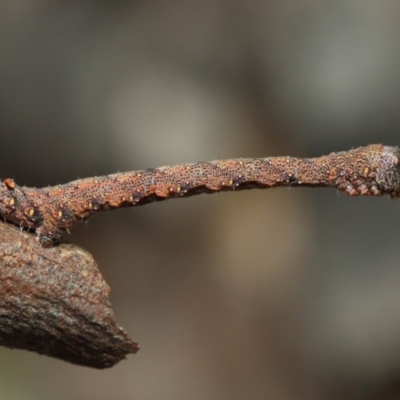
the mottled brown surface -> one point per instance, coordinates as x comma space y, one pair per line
55, 301
370, 170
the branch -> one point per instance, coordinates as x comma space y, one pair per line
54, 301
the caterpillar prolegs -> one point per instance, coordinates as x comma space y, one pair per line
371, 170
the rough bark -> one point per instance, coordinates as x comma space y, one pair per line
54, 301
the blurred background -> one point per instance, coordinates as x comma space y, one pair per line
278, 294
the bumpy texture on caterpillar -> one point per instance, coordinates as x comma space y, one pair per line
372, 170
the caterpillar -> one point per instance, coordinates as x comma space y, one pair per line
371, 170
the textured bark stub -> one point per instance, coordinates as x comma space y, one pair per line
54, 301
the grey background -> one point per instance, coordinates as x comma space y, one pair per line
278, 294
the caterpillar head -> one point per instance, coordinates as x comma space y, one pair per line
388, 171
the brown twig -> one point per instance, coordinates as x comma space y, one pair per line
55, 302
